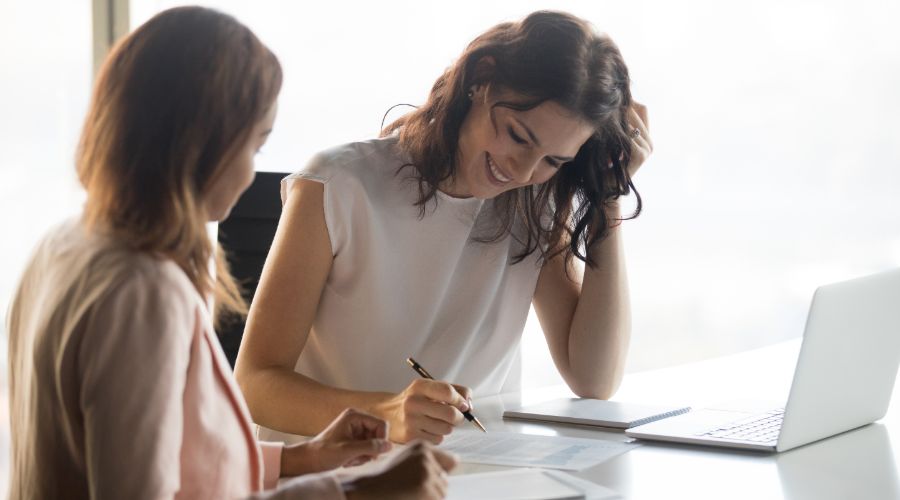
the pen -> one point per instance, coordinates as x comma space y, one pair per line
424, 373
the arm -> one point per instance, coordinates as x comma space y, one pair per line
587, 321
354, 438
418, 472
278, 327
133, 362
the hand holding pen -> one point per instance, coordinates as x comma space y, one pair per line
426, 409
424, 373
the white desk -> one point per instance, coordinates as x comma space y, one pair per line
859, 464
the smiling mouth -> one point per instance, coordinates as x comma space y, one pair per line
495, 173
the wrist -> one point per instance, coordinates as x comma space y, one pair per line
295, 460
381, 405
387, 407
613, 211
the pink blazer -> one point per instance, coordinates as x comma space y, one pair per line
119, 387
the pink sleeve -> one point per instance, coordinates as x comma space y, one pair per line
271, 456
312, 486
133, 360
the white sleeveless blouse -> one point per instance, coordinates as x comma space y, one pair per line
405, 285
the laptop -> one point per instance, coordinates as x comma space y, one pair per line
844, 376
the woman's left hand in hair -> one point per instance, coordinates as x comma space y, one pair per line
351, 439
641, 144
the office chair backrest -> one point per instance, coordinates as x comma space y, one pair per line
246, 236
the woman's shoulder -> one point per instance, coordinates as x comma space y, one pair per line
160, 275
361, 159
109, 266
79, 274
149, 295
71, 252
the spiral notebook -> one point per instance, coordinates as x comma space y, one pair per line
595, 412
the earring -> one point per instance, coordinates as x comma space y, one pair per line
471, 92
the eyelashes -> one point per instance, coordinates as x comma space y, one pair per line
519, 140
515, 137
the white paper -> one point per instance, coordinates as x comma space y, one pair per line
517, 484
525, 450
525, 484
592, 491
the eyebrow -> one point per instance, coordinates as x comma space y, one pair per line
534, 139
265, 132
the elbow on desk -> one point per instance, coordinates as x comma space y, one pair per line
588, 383
597, 390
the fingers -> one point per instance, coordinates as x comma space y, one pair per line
433, 430
437, 411
438, 463
640, 136
427, 409
365, 426
637, 119
641, 111
466, 393
355, 452
437, 484
355, 424
441, 392
428, 420
442, 460
447, 461
419, 472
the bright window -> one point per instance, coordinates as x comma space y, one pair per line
45, 77
776, 163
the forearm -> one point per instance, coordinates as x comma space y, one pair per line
601, 325
287, 401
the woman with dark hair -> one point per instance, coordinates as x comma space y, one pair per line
433, 241
119, 387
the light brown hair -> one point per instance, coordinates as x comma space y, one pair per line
173, 103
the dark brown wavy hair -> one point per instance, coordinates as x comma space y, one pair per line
174, 102
548, 56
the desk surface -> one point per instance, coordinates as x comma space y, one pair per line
857, 464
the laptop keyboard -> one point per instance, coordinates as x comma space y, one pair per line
762, 428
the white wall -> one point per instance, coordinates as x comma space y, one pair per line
776, 163
774, 122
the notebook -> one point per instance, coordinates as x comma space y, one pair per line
594, 412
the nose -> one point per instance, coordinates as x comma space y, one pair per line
524, 165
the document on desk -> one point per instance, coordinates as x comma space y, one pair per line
525, 484
526, 450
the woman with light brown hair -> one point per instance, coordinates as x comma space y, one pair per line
119, 388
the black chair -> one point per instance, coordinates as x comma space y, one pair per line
246, 236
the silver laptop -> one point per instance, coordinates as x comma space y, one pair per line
843, 379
